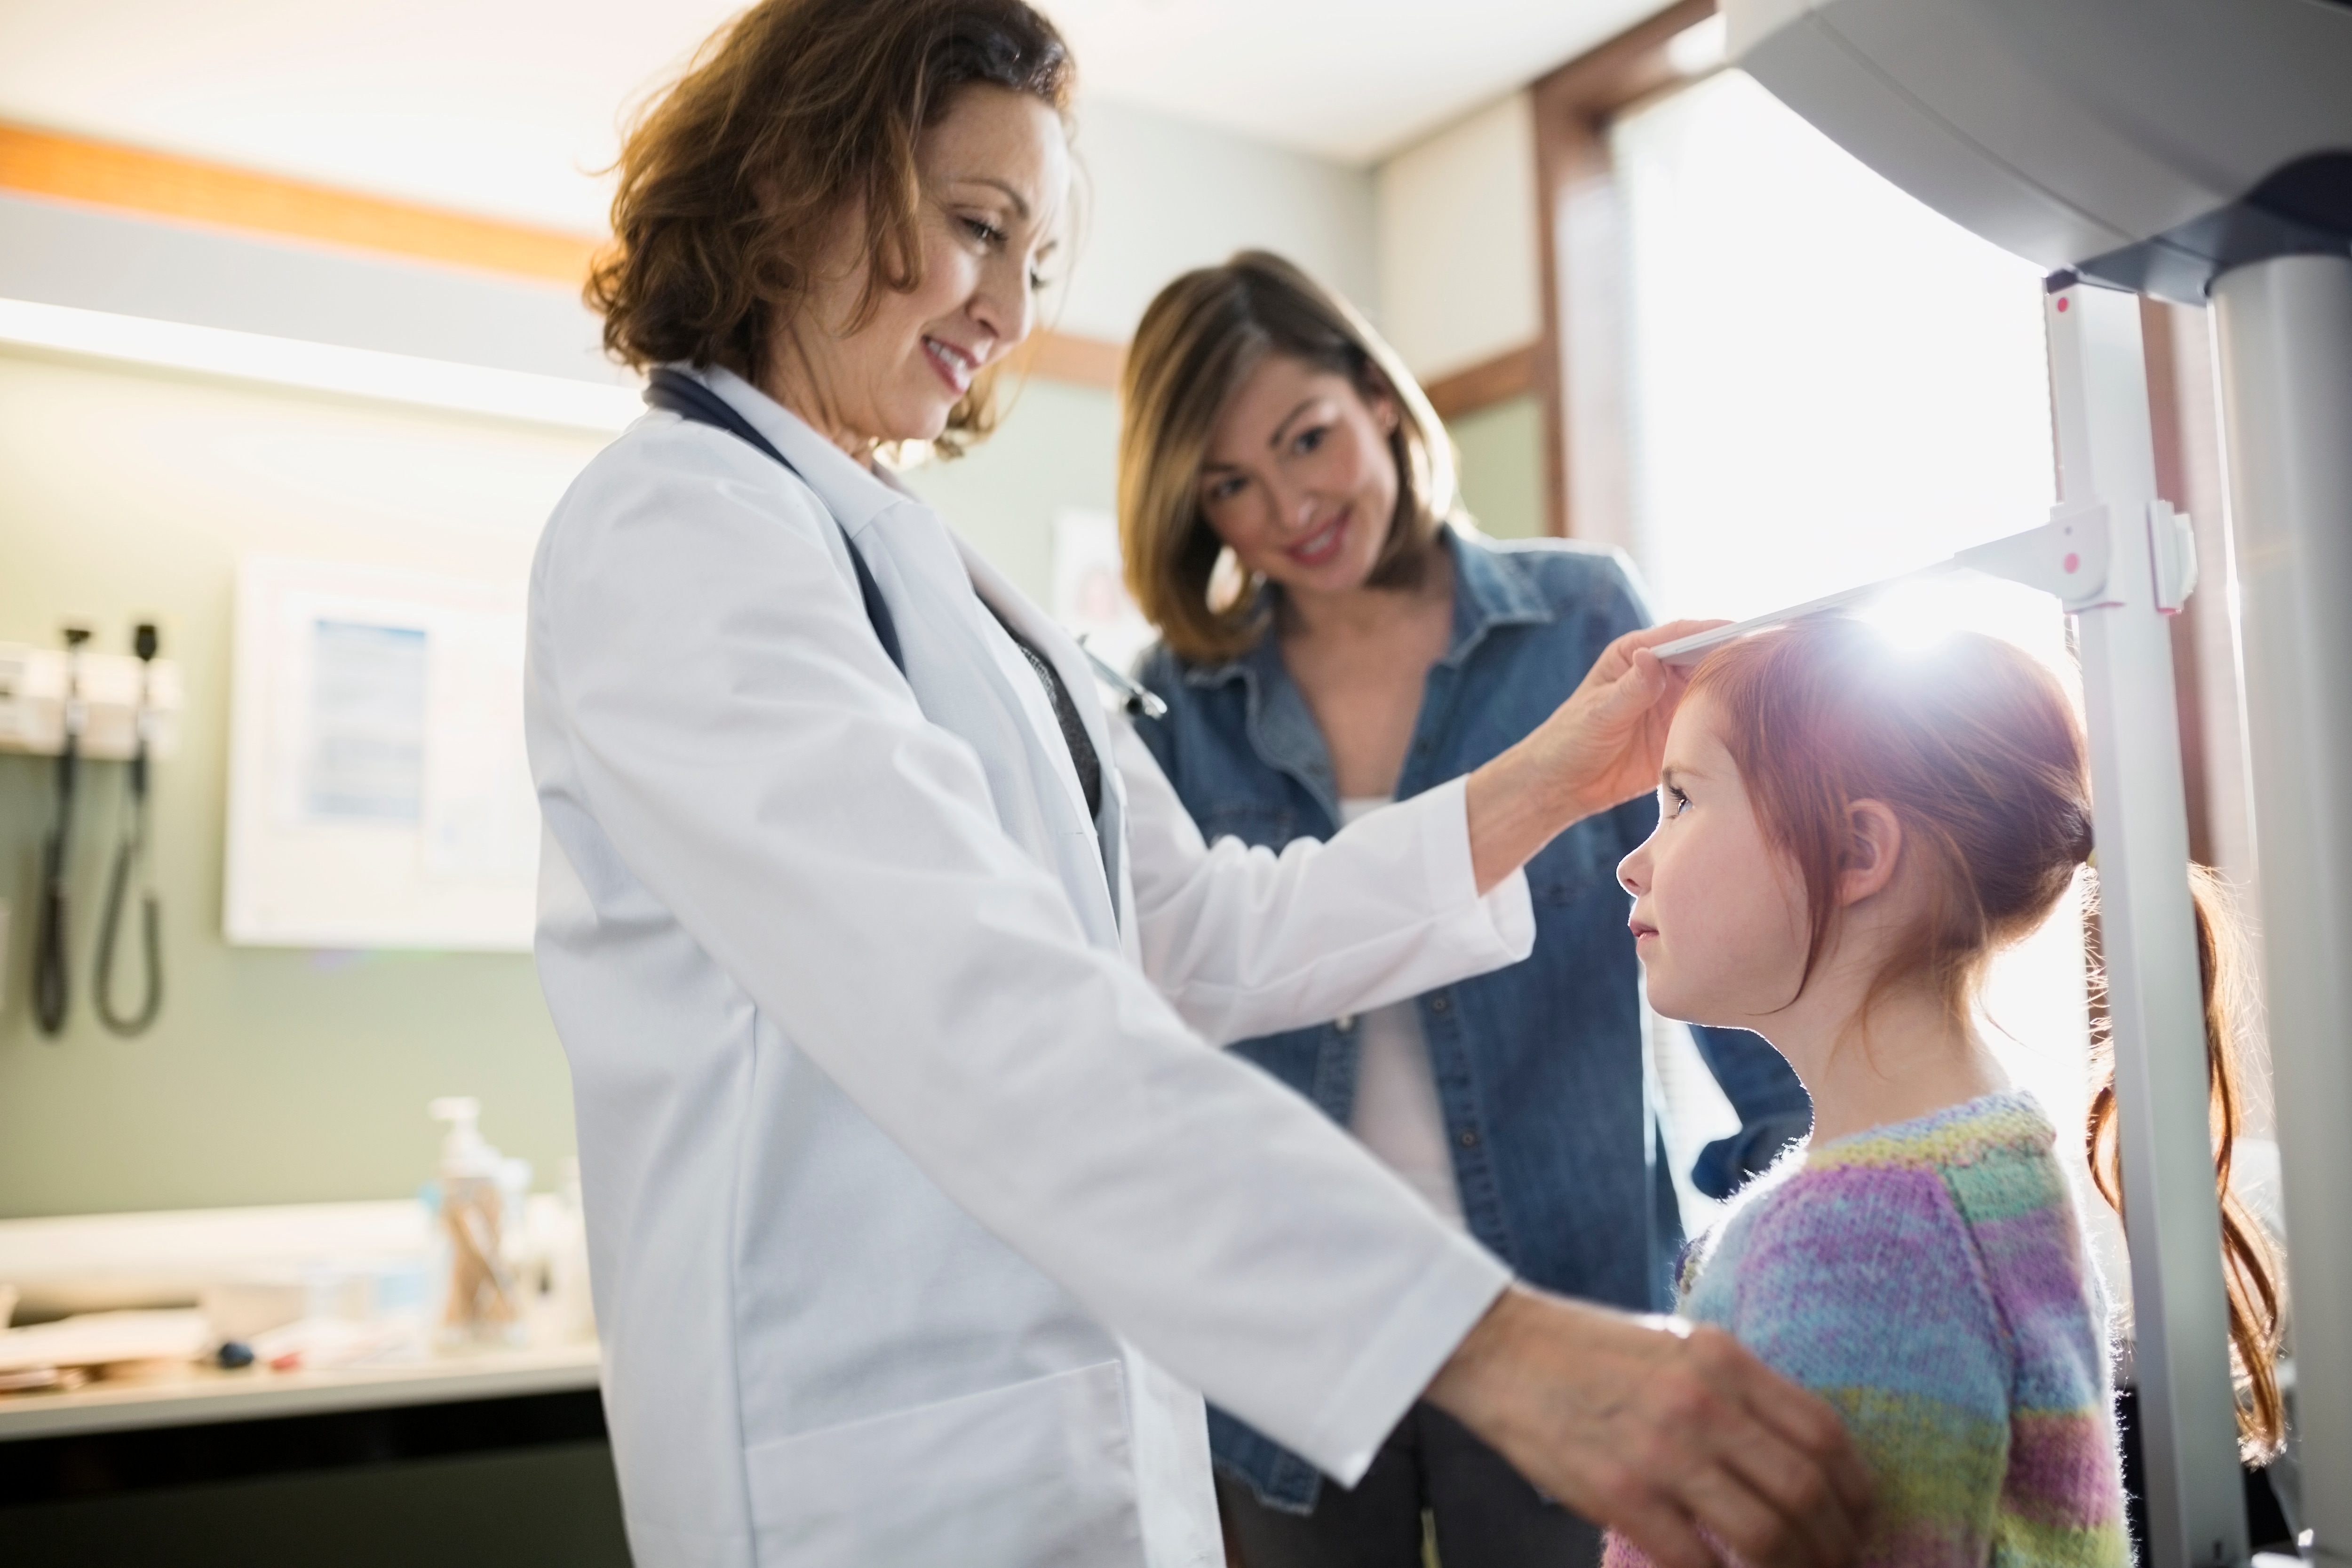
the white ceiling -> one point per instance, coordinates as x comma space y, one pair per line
504, 106
1347, 79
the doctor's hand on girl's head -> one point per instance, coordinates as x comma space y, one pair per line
1598, 749
1604, 743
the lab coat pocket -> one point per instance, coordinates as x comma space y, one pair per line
1035, 1474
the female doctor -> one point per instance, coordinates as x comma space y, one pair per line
884, 955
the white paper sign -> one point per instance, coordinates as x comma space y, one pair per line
1090, 596
379, 793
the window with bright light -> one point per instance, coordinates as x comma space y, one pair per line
1832, 384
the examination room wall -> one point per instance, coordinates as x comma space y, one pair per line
1454, 230
272, 1076
286, 1076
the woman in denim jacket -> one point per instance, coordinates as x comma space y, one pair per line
1337, 637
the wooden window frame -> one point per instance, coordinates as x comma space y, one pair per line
1580, 356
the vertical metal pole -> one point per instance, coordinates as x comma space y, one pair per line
2285, 337
2196, 1509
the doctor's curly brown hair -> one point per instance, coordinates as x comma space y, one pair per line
794, 113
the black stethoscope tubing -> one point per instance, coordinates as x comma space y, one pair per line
132, 850
128, 852
52, 982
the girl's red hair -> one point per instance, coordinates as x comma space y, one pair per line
1979, 753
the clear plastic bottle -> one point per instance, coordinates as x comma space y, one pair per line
477, 1301
571, 1311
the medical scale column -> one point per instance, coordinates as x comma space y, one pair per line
2285, 330
2196, 1507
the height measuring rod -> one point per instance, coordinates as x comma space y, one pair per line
2196, 1506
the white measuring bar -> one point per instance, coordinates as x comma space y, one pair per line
2066, 556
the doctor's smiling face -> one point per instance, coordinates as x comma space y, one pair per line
994, 171
1299, 480
1719, 913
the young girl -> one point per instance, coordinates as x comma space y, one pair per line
1847, 834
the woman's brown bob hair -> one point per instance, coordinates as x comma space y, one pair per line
797, 112
1199, 341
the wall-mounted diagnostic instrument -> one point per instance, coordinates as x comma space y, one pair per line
129, 853
79, 706
2198, 152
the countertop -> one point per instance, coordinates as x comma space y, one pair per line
205, 1394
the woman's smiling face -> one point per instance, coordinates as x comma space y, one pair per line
1719, 914
1299, 480
996, 170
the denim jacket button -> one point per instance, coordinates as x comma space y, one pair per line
1468, 1137
1344, 1022
1439, 1004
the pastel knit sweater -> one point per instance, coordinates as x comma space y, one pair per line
1927, 1279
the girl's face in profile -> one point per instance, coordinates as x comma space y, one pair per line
1298, 480
1720, 912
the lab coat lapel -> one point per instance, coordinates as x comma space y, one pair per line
971, 679
1069, 660
966, 673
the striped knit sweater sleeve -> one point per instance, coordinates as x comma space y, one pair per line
1927, 1279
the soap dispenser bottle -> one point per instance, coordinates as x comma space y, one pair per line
476, 1303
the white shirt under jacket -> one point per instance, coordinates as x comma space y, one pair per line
901, 1145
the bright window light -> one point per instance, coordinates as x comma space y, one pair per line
1830, 385
1701, 47
322, 367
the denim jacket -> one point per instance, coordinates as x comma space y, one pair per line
1539, 1067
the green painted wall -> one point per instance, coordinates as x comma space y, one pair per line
278, 1075
1058, 448
1501, 449
273, 1076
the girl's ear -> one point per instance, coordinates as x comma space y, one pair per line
1874, 845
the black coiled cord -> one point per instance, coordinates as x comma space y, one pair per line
52, 982
144, 642
52, 986
150, 919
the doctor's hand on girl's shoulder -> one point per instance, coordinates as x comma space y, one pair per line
1660, 1430
1598, 748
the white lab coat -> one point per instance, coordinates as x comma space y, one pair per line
898, 1167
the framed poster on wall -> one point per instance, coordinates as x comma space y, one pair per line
379, 793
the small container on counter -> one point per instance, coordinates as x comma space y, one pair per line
478, 1298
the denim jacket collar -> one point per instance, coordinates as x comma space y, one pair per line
1490, 590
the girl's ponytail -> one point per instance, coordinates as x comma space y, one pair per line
2250, 1261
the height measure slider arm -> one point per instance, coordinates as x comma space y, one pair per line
2068, 557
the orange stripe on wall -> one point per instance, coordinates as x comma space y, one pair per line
42, 162
159, 184
1083, 362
